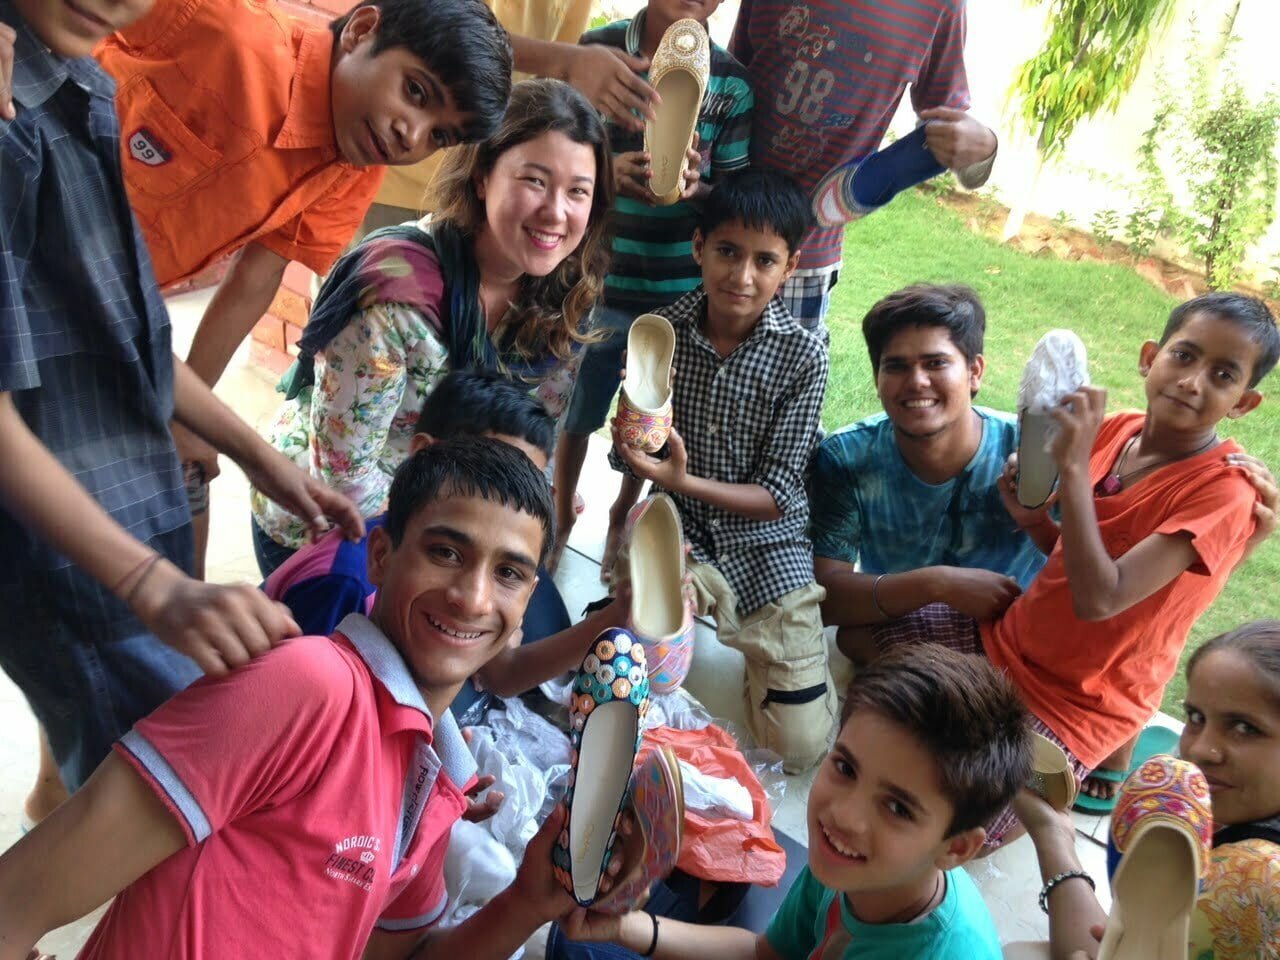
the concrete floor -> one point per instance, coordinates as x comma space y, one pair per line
1009, 879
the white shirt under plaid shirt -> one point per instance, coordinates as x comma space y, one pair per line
751, 417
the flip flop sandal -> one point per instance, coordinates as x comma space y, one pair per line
644, 404
1151, 741
855, 189
1058, 366
678, 72
1052, 776
650, 853
610, 700
661, 616
1161, 832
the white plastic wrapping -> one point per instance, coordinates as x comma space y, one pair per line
1059, 365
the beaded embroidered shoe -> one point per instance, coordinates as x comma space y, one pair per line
678, 73
644, 405
610, 700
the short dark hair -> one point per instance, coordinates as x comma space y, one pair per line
1248, 312
461, 42
470, 467
954, 307
471, 403
964, 711
759, 199
1258, 642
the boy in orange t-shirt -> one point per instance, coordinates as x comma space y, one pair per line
243, 130
1155, 516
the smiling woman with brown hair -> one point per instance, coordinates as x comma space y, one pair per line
503, 277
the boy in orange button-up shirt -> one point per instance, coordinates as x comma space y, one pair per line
242, 129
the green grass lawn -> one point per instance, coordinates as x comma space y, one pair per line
1109, 306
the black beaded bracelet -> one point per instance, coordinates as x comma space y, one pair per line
653, 944
1054, 881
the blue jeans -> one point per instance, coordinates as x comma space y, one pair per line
598, 375
266, 551
86, 692
545, 615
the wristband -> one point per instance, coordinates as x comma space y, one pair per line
1054, 881
875, 596
653, 944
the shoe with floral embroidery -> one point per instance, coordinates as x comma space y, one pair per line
1161, 830
610, 699
644, 405
661, 607
650, 853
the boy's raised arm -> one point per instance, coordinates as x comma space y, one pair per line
111, 831
242, 298
606, 76
197, 409
1100, 586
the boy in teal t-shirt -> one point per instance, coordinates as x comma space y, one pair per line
933, 744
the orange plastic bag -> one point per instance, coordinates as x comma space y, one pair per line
722, 849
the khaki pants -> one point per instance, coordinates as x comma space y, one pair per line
790, 699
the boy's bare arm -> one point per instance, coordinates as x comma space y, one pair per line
515, 670
608, 77
217, 626
676, 940
1100, 586
197, 409
498, 929
750, 500
112, 831
854, 599
242, 298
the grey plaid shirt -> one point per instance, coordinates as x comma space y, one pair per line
752, 417
84, 335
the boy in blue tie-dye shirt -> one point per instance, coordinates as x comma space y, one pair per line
910, 494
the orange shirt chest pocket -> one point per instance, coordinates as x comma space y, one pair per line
163, 156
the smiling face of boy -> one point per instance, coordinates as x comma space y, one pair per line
1200, 375
72, 28
742, 268
925, 383
878, 817
451, 593
389, 108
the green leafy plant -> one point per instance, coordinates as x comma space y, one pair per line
1088, 62
1230, 164
1105, 225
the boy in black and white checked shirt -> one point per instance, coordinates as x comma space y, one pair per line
747, 401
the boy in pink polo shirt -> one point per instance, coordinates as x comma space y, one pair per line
301, 805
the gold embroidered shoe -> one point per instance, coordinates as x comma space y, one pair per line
678, 73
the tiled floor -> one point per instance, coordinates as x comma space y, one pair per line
1009, 879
